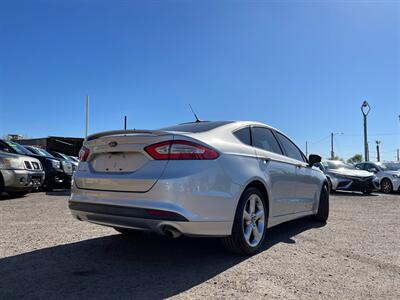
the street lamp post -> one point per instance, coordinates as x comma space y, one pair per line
365, 109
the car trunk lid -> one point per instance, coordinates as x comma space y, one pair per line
120, 163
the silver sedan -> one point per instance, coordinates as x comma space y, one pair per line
225, 179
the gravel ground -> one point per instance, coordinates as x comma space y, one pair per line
44, 253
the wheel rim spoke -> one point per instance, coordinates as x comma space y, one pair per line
252, 205
256, 234
259, 214
246, 216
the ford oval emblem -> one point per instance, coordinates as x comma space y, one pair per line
112, 144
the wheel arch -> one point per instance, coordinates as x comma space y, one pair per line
1, 183
258, 184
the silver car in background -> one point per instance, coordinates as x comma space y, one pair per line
223, 179
346, 177
19, 174
388, 174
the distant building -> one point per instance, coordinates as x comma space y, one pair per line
67, 145
14, 137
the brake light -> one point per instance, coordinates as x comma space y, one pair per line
84, 154
180, 150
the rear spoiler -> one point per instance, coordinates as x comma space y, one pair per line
124, 132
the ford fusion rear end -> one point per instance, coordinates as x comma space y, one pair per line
153, 181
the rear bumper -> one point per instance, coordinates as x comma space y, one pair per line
21, 180
136, 218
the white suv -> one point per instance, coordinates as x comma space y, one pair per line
388, 174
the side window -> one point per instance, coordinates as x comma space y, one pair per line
291, 149
362, 166
4, 148
263, 138
244, 135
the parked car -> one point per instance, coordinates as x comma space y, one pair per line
387, 173
19, 174
74, 158
224, 179
346, 177
66, 166
55, 177
66, 158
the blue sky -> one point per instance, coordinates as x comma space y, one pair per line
302, 66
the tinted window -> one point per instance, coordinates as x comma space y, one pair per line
264, 139
196, 126
291, 149
243, 135
18, 148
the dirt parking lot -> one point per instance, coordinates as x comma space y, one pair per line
44, 253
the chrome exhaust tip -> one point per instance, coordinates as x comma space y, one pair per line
171, 232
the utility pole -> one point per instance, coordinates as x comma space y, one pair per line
378, 156
365, 109
125, 121
398, 154
87, 117
306, 149
332, 152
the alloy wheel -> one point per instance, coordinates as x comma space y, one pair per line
386, 186
253, 220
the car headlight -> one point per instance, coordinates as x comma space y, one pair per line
55, 163
337, 176
11, 163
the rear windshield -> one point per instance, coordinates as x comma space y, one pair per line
196, 127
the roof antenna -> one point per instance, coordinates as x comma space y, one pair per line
197, 119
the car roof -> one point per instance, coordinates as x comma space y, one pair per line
204, 126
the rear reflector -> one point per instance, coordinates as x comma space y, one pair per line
84, 154
180, 150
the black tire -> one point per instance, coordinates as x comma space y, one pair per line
236, 242
17, 194
367, 192
323, 207
1, 183
386, 186
329, 184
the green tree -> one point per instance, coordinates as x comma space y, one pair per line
355, 159
338, 158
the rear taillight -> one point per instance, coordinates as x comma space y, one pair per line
180, 150
84, 154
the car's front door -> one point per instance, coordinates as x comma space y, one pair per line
307, 184
279, 174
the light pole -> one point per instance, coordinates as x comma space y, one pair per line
378, 156
332, 152
365, 109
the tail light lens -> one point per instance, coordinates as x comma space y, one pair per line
180, 150
84, 154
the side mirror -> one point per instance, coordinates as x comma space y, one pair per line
313, 159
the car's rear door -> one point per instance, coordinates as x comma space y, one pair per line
280, 175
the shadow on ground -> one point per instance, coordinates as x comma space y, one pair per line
59, 193
357, 194
118, 267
